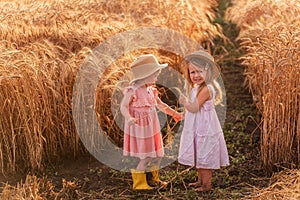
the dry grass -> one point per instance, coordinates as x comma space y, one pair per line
272, 43
32, 188
43, 44
283, 185
40, 189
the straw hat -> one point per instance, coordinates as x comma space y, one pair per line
205, 56
144, 66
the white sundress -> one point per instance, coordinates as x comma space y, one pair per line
202, 142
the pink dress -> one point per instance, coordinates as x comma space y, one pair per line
144, 138
202, 142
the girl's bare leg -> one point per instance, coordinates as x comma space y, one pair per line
142, 164
206, 175
198, 182
154, 162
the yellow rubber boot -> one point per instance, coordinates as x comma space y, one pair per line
154, 179
139, 180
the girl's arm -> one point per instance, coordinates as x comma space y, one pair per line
203, 96
165, 108
124, 107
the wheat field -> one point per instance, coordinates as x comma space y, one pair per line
269, 36
43, 45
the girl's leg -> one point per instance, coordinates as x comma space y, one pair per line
142, 164
199, 181
154, 162
206, 175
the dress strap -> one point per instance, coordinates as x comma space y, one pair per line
212, 90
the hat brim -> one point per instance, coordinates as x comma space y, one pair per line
149, 72
216, 67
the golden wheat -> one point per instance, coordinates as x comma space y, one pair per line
271, 44
44, 43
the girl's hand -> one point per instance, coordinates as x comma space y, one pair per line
178, 116
132, 120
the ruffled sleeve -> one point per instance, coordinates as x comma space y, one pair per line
130, 91
155, 92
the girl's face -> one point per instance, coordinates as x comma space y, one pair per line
197, 74
151, 79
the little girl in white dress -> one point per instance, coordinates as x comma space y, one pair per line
202, 141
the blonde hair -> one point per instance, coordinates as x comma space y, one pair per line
200, 63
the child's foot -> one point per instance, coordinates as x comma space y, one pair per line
195, 184
203, 188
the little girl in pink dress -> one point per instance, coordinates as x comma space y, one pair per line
202, 142
142, 135
146, 129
